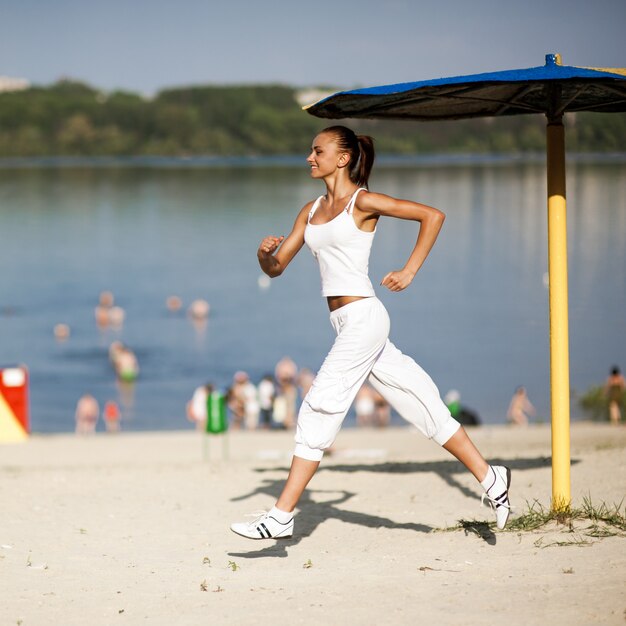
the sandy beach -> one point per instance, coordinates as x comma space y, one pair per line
134, 529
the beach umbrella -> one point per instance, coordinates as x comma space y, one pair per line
553, 90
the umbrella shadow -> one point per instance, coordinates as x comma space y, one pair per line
314, 513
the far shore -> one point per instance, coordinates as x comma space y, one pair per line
479, 159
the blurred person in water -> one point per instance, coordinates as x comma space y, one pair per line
86, 415
111, 416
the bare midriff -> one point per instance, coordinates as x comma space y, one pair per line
336, 302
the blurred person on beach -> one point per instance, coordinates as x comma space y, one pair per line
371, 408
520, 409
286, 373
267, 394
252, 409
382, 411
614, 389
243, 402
197, 407
86, 415
279, 412
339, 228
460, 413
305, 380
364, 406
111, 416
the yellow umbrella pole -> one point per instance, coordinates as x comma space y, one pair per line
559, 332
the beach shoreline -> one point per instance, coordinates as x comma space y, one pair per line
134, 527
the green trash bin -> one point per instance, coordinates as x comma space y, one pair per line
216, 422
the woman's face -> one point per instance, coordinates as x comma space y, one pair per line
325, 156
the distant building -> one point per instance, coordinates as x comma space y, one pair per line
7, 83
305, 97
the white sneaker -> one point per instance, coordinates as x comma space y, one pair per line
264, 527
497, 495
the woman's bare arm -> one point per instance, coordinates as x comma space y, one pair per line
374, 205
275, 253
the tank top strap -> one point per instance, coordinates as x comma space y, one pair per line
314, 207
350, 205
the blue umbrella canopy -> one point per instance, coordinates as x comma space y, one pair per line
552, 89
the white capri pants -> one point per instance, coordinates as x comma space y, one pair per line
362, 349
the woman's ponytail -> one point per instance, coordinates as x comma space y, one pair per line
360, 174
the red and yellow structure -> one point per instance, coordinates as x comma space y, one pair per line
14, 409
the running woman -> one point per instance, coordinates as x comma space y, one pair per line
339, 228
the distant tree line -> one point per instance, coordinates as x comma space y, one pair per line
72, 118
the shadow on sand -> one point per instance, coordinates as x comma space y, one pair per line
313, 513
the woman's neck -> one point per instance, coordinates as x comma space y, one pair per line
337, 188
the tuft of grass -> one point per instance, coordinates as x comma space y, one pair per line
233, 566
606, 521
614, 516
539, 516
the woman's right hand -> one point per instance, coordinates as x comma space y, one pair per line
275, 253
268, 246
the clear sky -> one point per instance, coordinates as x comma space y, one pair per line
147, 45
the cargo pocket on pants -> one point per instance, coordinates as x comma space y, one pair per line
330, 396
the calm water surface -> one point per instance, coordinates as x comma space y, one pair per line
476, 317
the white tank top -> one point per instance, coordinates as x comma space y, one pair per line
342, 250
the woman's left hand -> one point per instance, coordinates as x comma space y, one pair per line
397, 281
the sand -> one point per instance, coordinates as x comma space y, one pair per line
133, 529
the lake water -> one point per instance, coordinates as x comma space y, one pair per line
476, 316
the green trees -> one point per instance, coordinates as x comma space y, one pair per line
71, 118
